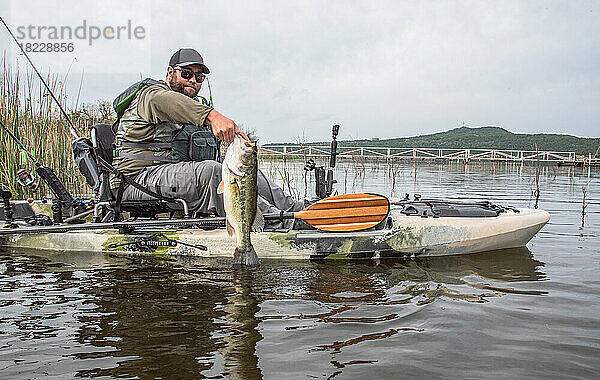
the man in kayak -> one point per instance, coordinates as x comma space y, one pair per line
149, 127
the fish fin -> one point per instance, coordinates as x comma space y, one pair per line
221, 188
230, 228
245, 256
259, 222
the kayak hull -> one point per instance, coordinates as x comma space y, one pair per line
407, 236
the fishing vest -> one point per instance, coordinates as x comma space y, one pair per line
140, 144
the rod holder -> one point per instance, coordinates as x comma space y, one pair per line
57, 216
8, 210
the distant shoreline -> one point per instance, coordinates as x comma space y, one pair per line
480, 138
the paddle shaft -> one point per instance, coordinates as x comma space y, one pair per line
133, 224
348, 212
143, 223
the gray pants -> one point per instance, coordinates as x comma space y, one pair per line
197, 182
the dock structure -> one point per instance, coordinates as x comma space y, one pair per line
391, 154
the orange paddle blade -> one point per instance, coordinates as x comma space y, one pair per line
348, 212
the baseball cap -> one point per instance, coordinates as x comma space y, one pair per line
186, 57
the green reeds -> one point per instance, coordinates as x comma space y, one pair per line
30, 113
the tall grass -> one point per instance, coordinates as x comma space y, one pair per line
31, 114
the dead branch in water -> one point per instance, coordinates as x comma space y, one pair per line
536, 192
584, 204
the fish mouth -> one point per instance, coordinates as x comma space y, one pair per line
243, 143
249, 146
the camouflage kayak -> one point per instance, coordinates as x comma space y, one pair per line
412, 229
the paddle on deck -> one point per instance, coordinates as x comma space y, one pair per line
347, 212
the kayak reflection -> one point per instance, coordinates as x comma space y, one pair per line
328, 280
190, 317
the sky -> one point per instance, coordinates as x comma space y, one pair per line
290, 70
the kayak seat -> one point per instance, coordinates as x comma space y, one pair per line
103, 137
103, 142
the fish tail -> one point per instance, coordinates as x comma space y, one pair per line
245, 256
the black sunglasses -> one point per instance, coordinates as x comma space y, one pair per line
188, 74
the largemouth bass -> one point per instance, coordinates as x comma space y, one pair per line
240, 193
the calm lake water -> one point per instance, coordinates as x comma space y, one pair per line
529, 313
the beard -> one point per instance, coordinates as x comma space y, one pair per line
180, 87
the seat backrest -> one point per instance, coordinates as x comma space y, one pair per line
103, 140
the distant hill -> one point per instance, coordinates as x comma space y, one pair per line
485, 138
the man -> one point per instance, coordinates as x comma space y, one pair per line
145, 131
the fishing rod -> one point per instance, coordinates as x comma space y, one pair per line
72, 127
64, 198
46, 173
20, 144
209, 93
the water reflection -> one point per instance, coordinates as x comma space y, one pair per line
190, 318
373, 279
159, 321
238, 347
354, 311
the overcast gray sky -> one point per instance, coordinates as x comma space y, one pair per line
378, 68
